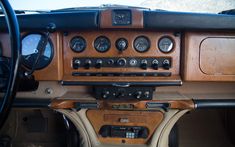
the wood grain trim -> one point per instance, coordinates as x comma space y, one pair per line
106, 19
176, 79
54, 71
113, 52
150, 120
218, 52
107, 105
192, 70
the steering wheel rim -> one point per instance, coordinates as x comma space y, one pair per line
14, 34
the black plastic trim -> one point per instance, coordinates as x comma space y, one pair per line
215, 104
64, 21
187, 21
89, 19
31, 103
87, 83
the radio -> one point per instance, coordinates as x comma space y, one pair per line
124, 131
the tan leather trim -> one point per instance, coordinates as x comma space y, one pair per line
164, 136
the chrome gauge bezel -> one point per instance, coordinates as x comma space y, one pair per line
97, 39
147, 47
71, 45
169, 50
25, 64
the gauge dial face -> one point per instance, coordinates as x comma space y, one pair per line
30, 51
102, 44
141, 44
78, 44
165, 44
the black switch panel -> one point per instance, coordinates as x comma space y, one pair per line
135, 92
131, 132
124, 62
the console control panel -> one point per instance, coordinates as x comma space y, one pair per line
125, 56
138, 93
131, 132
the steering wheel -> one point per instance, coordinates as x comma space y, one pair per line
14, 34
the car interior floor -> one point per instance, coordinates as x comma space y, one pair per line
206, 128
35, 128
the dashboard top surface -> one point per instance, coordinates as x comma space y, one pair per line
146, 19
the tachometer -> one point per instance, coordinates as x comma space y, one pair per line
102, 44
30, 51
141, 44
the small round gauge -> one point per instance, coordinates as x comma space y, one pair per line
165, 44
30, 51
141, 44
121, 44
78, 44
102, 44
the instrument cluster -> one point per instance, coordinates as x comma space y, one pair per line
141, 44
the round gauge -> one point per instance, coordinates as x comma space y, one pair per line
165, 44
121, 44
141, 44
102, 44
78, 44
30, 51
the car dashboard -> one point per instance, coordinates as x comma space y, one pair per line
111, 70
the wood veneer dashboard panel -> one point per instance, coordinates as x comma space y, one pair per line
209, 56
107, 21
114, 35
150, 120
54, 71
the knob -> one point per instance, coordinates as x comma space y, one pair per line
138, 94
144, 64
166, 64
98, 63
120, 93
105, 94
121, 62
133, 62
121, 44
110, 62
87, 64
146, 94
76, 64
155, 64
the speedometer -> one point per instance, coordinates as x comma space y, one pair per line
31, 51
141, 44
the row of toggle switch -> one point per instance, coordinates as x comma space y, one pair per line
138, 93
142, 63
